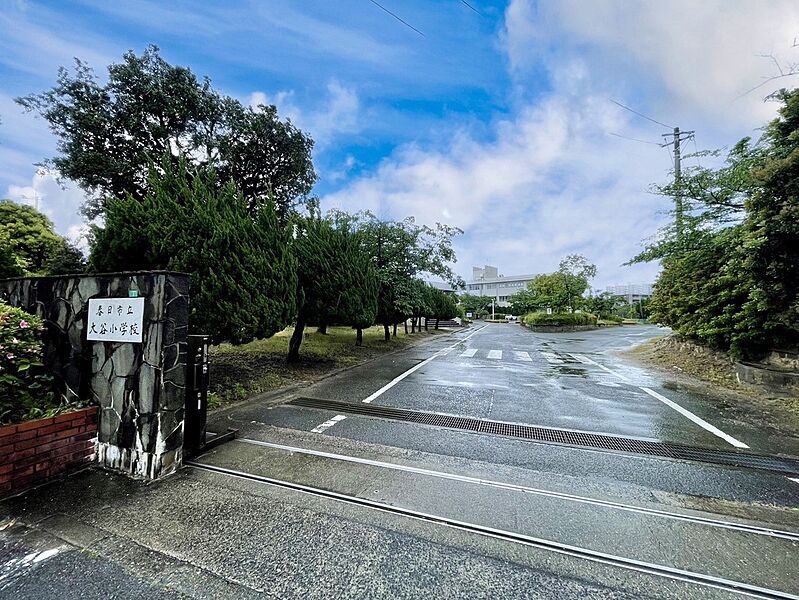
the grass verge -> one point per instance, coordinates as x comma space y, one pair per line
238, 372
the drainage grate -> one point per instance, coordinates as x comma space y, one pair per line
561, 436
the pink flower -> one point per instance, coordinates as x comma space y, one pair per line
24, 324
10, 355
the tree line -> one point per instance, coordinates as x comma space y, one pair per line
183, 178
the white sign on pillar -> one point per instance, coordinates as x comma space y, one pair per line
115, 320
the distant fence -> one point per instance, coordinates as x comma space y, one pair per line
139, 386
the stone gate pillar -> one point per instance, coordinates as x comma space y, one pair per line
138, 385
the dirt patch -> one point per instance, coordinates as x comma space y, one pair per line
712, 375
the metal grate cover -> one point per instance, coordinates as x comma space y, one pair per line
561, 436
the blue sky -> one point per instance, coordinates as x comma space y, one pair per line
497, 121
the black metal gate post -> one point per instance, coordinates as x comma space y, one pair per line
196, 393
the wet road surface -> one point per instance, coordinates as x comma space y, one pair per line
366, 502
739, 524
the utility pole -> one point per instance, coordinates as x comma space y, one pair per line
679, 208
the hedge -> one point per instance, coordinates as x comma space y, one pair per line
559, 319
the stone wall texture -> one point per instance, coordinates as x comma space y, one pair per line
139, 388
34, 451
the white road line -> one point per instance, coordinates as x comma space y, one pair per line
670, 403
495, 354
794, 479
587, 361
469, 353
523, 356
701, 422
328, 424
551, 358
369, 399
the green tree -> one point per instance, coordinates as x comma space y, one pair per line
770, 316
476, 304
576, 272
9, 263
110, 133
443, 305
243, 273
336, 282
66, 259
30, 237
401, 251
602, 305
731, 281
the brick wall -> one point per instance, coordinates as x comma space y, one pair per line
31, 452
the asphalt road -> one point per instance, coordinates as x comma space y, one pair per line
576, 382
319, 503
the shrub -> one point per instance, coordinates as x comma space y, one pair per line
25, 391
612, 319
558, 319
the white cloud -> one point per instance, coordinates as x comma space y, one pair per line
60, 204
551, 181
703, 55
338, 114
549, 184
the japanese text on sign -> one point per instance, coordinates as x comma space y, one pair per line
115, 319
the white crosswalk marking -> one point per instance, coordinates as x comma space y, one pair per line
495, 354
523, 356
551, 358
469, 353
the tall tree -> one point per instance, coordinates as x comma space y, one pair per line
477, 305
32, 239
109, 134
243, 273
733, 284
576, 272
401, 251
443, 305
336, 282
770, 316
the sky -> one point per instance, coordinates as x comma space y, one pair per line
499, 118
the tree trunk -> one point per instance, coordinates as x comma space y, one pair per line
425, 325
295, 341
406, 326
359, 337
322, 329
386, 332
413, 325
395, 330
437, 323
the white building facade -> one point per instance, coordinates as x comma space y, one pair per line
486, 281
631, 292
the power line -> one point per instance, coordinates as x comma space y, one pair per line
470, 6
640, 114
696, 151
397, 17
624, 137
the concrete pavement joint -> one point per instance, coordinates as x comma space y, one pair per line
766, 531
595, 556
